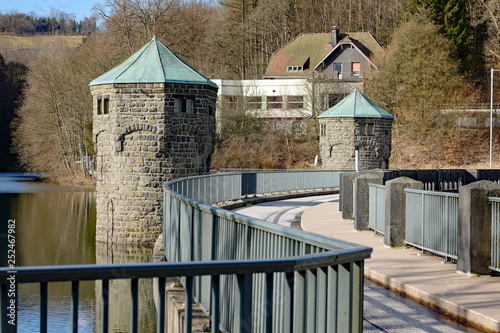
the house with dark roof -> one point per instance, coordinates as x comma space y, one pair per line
306, 76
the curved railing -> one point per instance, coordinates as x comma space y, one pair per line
321, 292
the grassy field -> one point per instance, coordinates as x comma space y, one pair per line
13, 43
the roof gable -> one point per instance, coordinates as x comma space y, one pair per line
356, 105
356, 44
316, 47
153, 63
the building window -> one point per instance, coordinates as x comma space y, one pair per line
189, 105
366, 129
177, 105
183, 105
337, 71
103, 105
99, 106
295, 68
253, 102
330, 100
274, 102
369, 129
362, 129
323, 130
232, 101
295, 102
356, 68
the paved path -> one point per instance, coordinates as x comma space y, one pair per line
284, 212
425, 278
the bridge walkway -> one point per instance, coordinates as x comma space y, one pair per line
472, 299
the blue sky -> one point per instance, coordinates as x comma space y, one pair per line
80, 8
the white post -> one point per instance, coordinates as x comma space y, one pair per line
356, 154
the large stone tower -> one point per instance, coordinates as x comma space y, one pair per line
355, 123
154, 120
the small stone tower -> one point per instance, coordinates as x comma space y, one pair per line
154, 120
355, 123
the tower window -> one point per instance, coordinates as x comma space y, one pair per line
103, 104
369, 129
189, 105
183, 105
105, 100
99, 106
177, 105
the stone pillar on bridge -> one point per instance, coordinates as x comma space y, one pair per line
345, 197
395, 209
474, 227
361, 211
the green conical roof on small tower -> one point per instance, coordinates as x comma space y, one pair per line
153, 63
356, 105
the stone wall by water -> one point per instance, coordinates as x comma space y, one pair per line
340, 136
144, 136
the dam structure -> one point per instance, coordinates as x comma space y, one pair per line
153, 121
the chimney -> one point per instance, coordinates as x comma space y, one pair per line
335, 36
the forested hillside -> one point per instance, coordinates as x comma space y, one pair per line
57, 23
438, 53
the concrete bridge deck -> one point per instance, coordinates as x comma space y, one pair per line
472, 299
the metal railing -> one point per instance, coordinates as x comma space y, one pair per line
432, 221
376, 217
324, 296
495, 234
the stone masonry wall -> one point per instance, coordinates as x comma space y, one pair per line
339, 137
374, 146
141, 144
336, 143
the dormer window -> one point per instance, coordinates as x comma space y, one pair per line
295, 68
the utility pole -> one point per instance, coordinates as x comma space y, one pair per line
491, 119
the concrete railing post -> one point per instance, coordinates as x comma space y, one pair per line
474, 227
395, 209
361, 215
345, 202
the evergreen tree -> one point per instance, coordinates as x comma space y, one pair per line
453, 21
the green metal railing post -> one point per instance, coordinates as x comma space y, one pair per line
134, 315
74, 306
105, 305
161, 305
43, 307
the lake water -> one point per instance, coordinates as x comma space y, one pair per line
55, 225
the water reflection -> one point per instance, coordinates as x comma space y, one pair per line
119, 290
55, 225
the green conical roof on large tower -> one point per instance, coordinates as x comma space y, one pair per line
153, 63
356, 105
